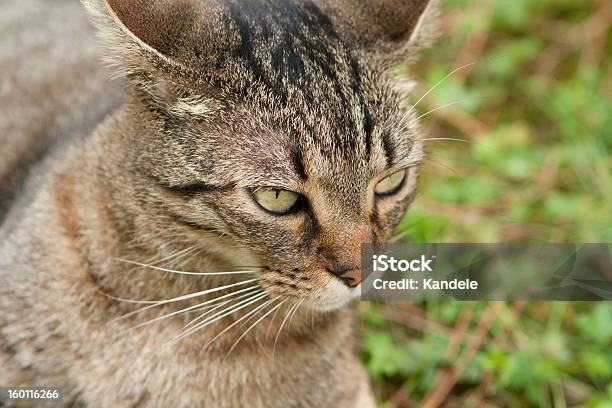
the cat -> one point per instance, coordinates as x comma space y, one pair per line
188, 234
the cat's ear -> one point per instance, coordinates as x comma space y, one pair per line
151, 43
128, 43
140, 35
390, 29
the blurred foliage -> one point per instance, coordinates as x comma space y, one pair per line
528, 106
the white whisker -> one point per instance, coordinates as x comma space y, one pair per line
271, 323
252, 312
438, 84
203, 315
399, 236
251, 327
294, 312
441, 107
175, 256
176, 299
210, 303
433, 139
444, 166
281, 328
157, 268
312, 319
218, 316
217, 306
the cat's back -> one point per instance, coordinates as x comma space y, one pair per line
52, 85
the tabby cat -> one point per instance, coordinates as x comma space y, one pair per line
188, 234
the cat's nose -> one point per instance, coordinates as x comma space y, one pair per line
350, 275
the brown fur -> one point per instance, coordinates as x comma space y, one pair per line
220, 97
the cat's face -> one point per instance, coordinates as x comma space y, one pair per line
301, 196
295, 149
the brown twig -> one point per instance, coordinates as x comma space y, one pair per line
474, 44
444, 384
594, 31
401, 399
415, 322
467, 124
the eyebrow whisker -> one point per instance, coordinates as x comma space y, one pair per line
441, 107
438, 84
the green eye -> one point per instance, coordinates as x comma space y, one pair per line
274, 200
390, 184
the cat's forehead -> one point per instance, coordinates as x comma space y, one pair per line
297, 61
326, 138
294, 147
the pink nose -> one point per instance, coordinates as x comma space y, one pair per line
351, 276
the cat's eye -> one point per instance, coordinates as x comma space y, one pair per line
390, 184
276, 201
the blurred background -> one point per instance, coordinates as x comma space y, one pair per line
518, 108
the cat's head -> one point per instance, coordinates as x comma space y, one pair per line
272, 126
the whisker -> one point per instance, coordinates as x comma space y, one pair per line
399, 236
157, 268
438, 84
444, 166
271, 323
175, 256
295, 311
441, 107
245, 322
281, 328
203, 315
218, 316
252, 312
312, 319
200, 317
176, 299
251, 327
249, 292
433, 139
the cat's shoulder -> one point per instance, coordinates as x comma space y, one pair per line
53, 85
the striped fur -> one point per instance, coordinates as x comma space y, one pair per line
220, 97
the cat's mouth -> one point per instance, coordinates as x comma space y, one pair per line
317, 289
334, 296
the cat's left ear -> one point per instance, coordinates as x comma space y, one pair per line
390, 29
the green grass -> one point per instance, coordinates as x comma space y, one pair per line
533, 164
